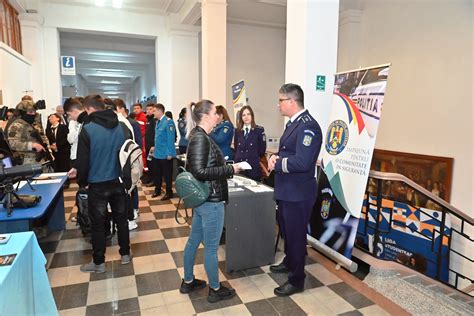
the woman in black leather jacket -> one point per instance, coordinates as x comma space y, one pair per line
206, 162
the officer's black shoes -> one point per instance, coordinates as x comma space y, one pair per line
166, 197
155, 194
189, 287
223, 293
287, 289
279, 268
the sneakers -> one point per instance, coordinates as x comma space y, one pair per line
91, 267
223, 293
136, 213
132, 225
126, 259
196, 284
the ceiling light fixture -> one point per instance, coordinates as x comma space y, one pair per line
109, 70
110, 82
100, 3
117, 4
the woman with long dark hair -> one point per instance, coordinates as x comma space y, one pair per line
249, 143
206, 162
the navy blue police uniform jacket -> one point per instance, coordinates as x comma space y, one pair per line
295, 170
223, 134
250, 149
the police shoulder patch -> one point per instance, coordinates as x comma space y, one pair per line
307, 140
226, 129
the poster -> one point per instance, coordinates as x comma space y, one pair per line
346, 155
409, 235
239, 97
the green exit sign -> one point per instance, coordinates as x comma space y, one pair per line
320, 83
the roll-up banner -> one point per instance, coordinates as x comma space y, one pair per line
239, 97
346, 155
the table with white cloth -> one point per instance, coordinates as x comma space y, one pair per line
24, 285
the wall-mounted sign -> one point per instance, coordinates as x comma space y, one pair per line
68, 65
320, 83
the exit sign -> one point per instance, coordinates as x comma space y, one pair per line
320, 83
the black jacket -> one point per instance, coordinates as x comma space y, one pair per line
206, 162
150, 133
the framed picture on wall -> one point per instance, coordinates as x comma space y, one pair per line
431, 172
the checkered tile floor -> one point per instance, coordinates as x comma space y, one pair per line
149, 285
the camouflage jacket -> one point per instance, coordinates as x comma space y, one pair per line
20, 138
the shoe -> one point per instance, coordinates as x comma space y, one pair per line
126, 259
196, 284
287, 289
223, 293
166, 197
136, 213
91, 267
132, 225
155, 195
279, 268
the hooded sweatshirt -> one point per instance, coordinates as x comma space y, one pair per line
98, 147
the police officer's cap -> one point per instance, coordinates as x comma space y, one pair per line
26, 105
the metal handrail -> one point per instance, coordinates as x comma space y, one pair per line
399, 177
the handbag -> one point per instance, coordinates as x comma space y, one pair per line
192, 191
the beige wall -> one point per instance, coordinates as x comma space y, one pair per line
257, 56
428, 103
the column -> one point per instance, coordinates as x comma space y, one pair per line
32, 48
311, 50
214, 46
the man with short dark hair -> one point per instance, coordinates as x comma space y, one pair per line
78, 117
295, 184
98, 168
149, 143
163, 151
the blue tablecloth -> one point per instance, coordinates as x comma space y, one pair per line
51, 207
24, 285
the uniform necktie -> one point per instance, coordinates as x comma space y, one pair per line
288, 124
246, 132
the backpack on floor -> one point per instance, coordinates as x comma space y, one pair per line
131, 164
83, 211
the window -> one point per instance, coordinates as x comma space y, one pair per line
10, 33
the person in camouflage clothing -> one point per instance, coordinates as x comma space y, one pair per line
20, 133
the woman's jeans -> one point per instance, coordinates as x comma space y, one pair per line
208, 221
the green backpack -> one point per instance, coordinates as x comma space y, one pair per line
192, 191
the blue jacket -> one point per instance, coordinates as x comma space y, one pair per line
183, 141
223, 135
164, 138
295, 170
98, 148
250, 149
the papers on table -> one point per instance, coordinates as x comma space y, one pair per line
50, 175
235, 189
49, 181
259, 188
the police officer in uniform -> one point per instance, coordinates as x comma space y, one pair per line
295, 184
249, 143
223, 133
21, 130
163, 151
183, 141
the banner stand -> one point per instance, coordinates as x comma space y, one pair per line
332, 254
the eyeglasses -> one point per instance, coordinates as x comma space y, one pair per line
282, 100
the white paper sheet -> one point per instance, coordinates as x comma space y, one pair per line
259, 188
244, 165
235, 189
45, 181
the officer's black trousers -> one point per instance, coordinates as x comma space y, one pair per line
163, 169
100, 195
293, 218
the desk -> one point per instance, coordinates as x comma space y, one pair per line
249, 229
24, 285
51, 208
